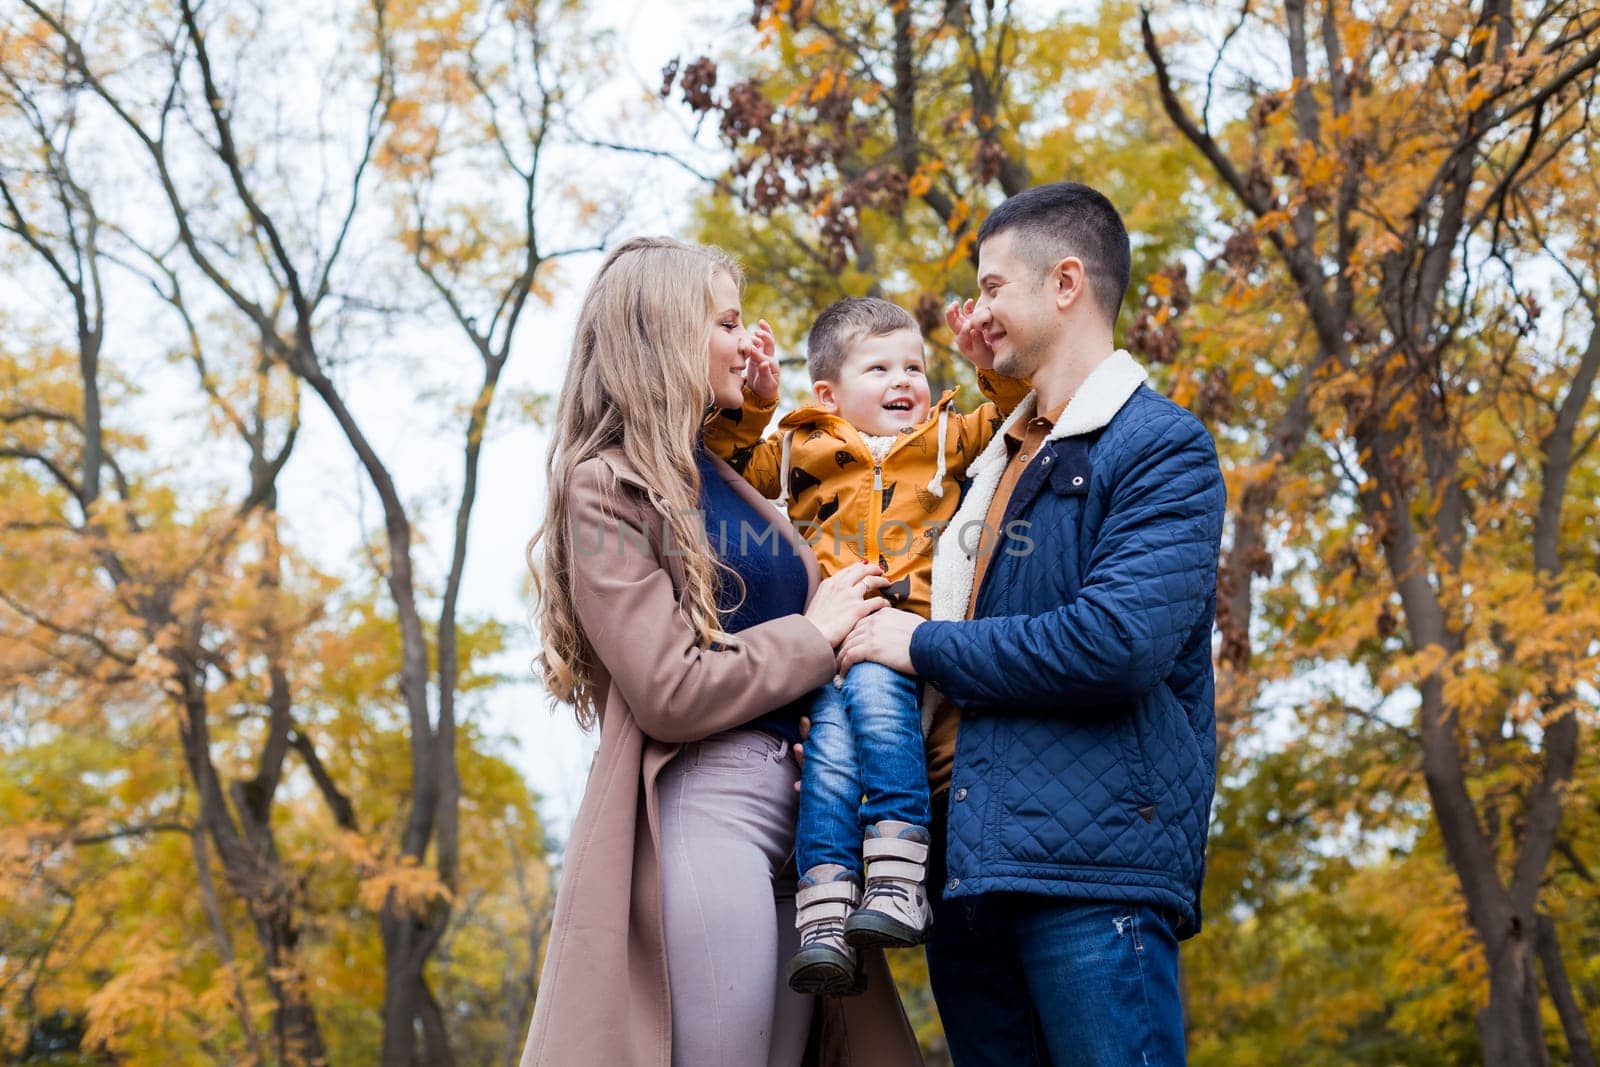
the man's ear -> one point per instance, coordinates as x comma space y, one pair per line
1070, 281
825, 395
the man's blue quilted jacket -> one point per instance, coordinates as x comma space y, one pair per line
1086, 755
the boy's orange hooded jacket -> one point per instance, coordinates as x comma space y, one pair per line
848, 506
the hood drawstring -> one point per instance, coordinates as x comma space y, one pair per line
783, 470
936, 487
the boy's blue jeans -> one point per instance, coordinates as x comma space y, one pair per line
866, 738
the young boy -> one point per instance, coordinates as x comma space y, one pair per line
870, 471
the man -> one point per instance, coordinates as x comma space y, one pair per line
1073, 749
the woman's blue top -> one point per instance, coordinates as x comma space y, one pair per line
747, 540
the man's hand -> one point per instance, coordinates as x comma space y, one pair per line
761, 374
967, 321
883, 637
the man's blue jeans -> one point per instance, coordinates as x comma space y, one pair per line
866, 738
1022, 979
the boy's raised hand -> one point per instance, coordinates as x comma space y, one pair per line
967, 321
761, 374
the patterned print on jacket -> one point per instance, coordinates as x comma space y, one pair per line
850, 507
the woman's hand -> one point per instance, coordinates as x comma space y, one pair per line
761, 373
842, 601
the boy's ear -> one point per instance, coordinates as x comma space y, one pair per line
825, 395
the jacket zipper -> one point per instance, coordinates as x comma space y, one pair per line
874, 513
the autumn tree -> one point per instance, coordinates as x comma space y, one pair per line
1408, 186
869, 140
275, 276
57, 425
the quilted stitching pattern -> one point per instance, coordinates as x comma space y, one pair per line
1088, 752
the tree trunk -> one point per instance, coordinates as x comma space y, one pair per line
257, 879
399, 1009
224, 940
1579, 1049
408, 942
271, 901
1511, 1028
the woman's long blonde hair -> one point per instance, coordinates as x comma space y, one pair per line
636, 380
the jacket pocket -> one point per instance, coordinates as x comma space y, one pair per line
1136, 754
1063, 798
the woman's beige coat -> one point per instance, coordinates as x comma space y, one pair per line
603, 995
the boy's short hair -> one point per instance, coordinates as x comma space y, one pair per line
1052, 222
843, 323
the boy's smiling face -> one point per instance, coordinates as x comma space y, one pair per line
881, 388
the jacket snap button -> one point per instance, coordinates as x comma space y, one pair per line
961, 794
1077, 479
1045, 461
955, 883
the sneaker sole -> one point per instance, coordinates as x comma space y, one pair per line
817, 975
867, 929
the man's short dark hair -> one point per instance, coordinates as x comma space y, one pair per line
1052, 222
843, 323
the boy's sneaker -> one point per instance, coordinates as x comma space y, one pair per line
894, 911
825, 965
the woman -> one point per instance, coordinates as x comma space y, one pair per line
676, 904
